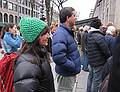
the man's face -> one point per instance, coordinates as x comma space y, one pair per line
72, 19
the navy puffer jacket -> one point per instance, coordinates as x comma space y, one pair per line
65, 52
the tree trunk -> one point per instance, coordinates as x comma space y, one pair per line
47, 4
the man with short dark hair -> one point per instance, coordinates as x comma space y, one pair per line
64, 51
98, 53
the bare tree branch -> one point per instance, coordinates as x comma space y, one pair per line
55, 3
59, 3
65, 0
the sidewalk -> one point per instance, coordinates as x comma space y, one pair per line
82, 82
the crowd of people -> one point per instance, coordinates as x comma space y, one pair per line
99, 53
42, 50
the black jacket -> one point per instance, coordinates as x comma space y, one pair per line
98, 51
32, 74
107, 67
84, 41
114, 79
79, 37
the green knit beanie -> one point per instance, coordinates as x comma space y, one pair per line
30, 28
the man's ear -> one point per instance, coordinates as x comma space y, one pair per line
67, 18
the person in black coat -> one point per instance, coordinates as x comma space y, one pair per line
114, 80
32, 71
98, 53
84, 56
79, 35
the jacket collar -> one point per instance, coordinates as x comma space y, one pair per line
67, 29
93, 29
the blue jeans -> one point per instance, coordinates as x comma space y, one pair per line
84, 61
94, 79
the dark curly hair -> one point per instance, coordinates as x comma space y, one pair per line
96, 23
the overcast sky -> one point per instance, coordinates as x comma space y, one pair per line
83, 7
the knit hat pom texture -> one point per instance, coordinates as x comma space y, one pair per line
31, 28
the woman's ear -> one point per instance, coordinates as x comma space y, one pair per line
9, 30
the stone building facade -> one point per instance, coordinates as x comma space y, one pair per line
12, 10
108, 11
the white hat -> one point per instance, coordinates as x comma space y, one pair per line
86, 28
110, 30
80, 28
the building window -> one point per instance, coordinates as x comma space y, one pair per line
10, 18
10, 6
23, 10
19, 1
15, 7
37, 15
5, 4
0, 3
37, 8
16, 19
34, 13
26, 11
29, 12
19, 9
1, 17
33, 6
6, 18
26, 2
19, 19
29, 4
23, 2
